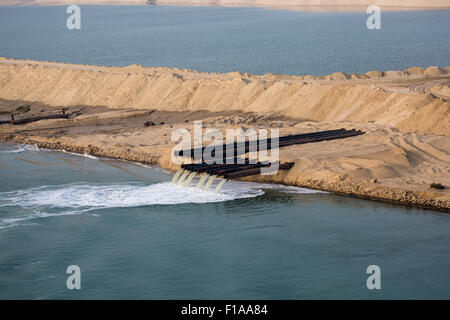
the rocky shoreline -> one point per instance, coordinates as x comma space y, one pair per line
369, 191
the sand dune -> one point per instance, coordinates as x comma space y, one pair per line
413, 101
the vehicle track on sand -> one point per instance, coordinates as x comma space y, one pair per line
423, 86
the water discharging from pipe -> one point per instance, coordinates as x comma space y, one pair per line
209, 183
175, 177
219, 186
189, 179
183, 176
202, 181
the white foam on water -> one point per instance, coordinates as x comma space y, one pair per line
80, 198
286, 189
87, 155
84, 155
74, 199
118, 195
13, 222
21, 148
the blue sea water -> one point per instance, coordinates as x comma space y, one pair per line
134, 235
219, 39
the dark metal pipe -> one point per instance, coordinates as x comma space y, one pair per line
318, 137
55, 116
251, 172
207, 167
235, 169
191, 152
307, 140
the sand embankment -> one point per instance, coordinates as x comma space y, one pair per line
413, 101
320, 5
405, 115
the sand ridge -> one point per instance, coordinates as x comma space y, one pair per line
414, 101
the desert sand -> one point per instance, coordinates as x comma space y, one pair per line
405, 114
314, 5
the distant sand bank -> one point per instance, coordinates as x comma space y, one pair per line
303, 5
405, 114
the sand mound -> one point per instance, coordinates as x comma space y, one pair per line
434, 71
394, 74
374, 74
404, 104
134, 66
356, 76
441, 90
415, 71
337, 76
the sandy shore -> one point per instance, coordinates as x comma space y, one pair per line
406, 146
303, 5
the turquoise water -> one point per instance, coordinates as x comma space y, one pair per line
221, 39
134, 235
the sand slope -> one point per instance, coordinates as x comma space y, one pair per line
413, 101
